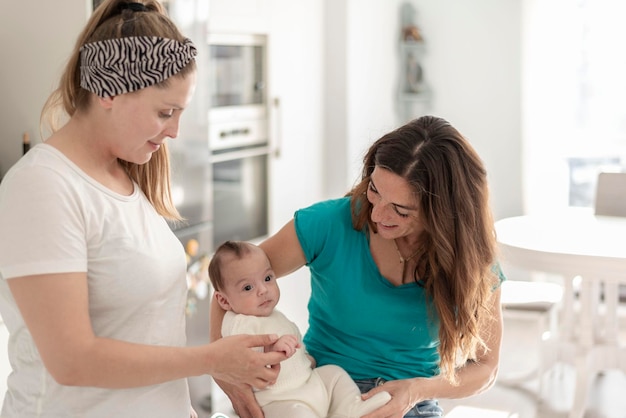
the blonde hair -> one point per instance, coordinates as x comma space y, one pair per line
112, 19
457, 251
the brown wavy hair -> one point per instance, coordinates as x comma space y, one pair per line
111, 20
457, 248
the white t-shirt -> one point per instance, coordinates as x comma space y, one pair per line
54, 219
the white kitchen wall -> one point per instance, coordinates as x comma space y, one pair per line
35, 40
472, 64
474, 67
574, 87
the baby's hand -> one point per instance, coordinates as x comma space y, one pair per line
287, 344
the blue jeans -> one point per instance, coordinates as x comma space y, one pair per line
427, 408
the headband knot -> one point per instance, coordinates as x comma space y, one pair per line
122, 65
134, 6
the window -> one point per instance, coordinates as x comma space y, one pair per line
574, 86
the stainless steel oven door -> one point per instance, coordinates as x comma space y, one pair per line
237, 68
240, 194
226, 136
191, 181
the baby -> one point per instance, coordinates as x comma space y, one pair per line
245, 286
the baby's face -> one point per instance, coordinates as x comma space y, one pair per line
250, 286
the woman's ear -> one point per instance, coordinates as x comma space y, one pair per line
222, 300
105, 102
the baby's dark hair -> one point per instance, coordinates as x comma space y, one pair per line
237, 248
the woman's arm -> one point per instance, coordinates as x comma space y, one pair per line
473, 378
55, 310
241, 397
284, 250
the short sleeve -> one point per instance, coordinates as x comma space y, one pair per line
41, 224
317, 223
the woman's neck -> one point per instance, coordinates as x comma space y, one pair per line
83, 144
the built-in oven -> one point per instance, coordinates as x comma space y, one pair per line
190, 157
240, 200
220, 162
220, 168
192, 191
237, 75
238, 136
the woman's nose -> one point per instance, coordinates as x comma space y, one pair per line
379, 212
171, 130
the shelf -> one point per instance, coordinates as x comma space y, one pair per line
413, 46
416, 97
414, 94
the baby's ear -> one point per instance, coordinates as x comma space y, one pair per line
222, 300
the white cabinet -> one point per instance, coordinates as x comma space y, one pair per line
245, 16
296, 57
36, 39
295, 87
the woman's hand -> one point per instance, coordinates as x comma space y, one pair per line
403, 398
232, 359
242, 398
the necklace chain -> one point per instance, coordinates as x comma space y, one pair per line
402, 259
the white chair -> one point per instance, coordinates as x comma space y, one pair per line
610, 198
537, 302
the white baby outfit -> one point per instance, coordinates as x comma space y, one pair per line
302, 392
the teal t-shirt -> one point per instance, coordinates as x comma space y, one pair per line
357, 319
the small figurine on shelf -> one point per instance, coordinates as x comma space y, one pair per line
414, 75
410, 31
412, 34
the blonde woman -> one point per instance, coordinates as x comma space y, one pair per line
93, 285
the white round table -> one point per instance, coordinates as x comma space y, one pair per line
576, 244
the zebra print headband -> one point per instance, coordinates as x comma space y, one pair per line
117, 66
